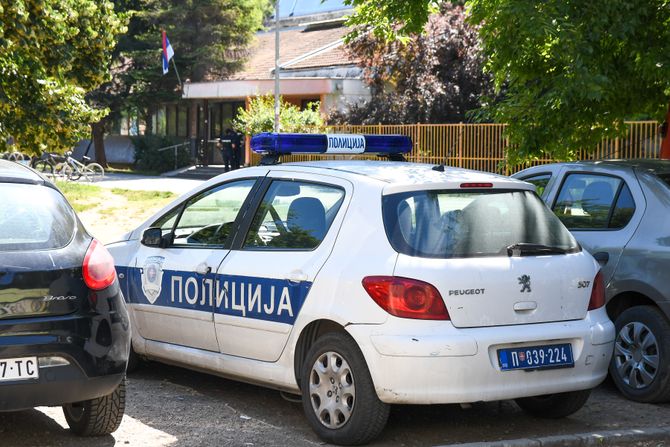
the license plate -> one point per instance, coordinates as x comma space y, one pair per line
18, 369
536, 357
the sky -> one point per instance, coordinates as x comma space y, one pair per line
304, 7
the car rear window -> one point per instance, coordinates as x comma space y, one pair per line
34, 217
458, 223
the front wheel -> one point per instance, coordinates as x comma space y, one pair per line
97, 417
640, 366
94, 172
338, 395
554, 406
44, 167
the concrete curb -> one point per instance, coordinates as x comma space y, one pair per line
596, 438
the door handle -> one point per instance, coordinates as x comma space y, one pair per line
297, 276
602, 257
203, 269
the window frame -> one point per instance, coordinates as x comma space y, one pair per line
615, 199
540, 174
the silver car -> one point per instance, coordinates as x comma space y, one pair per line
620, 211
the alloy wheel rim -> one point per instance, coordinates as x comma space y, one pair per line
636, 355
332, 390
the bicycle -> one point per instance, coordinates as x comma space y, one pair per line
69, 168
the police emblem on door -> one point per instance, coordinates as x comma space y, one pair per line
152, 277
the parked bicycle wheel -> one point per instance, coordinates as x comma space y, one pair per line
94, 172
44, 167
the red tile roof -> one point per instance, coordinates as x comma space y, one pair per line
294, 44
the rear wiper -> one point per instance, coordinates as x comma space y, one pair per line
526, 248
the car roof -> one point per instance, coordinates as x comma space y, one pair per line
11, 172
408, 174
655, 165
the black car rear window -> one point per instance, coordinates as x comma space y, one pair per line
34, 217
461, 224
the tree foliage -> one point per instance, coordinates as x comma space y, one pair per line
433, 77
51, 54
209, 38
572, 71
391, 19
260, 117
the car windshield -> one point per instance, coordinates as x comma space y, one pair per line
34, 217
458, 223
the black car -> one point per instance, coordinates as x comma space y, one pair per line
64, 329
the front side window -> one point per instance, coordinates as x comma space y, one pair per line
34, 217
207, 219
459, 224
294, 215
595, 202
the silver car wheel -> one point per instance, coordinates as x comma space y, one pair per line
332, 390
636, 355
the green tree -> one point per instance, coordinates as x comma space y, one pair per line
391, 19
51, 54
572, 71
260, 117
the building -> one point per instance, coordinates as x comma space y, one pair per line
314, 66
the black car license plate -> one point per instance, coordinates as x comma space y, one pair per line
536, 357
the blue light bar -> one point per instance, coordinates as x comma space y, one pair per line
342, 144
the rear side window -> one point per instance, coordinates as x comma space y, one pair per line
594, 202
294, 215
540, 181
34, 217
459, 224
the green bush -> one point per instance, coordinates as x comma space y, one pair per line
260, 117
148, 158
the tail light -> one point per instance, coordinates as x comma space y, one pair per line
406, 298
98, 268
597, 293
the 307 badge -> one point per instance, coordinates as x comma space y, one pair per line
152, 277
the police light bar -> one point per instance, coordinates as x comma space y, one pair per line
278, 144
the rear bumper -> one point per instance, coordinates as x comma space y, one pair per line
432, 362
94, 343
56, 386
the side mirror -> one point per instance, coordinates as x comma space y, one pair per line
152, 237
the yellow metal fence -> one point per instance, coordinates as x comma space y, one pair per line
483, 146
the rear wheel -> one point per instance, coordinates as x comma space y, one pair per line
640, 366
338, 396
44, 167
97, 417
554, 406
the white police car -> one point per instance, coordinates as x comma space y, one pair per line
361, 284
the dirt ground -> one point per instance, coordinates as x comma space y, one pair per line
170, 406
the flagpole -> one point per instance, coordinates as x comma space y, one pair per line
181, 87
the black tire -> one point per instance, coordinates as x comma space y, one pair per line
134, 361
554, 406
640, 366
97, 417
44, 167
367, 415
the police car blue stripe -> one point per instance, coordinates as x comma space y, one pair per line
266, 299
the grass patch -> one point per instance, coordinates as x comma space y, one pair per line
143, 196
82, 197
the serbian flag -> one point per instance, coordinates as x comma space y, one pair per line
168, 52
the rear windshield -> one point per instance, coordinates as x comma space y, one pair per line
33, 217
458, 224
